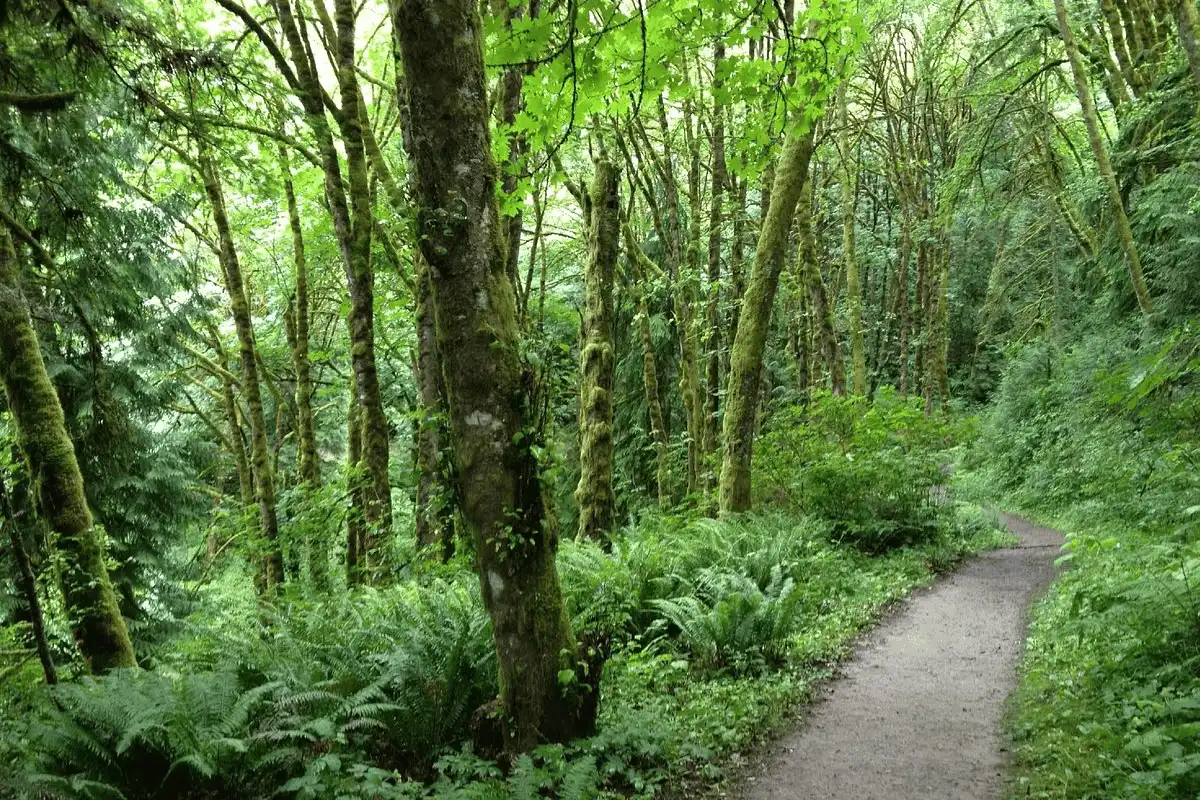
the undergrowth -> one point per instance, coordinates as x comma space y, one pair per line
1101, 441
717, 627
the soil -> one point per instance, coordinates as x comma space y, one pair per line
919, 711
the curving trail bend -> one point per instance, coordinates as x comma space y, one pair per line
918, 714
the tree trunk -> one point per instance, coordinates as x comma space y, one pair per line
306, 443
1095, 138
360, 281
91, 603
594, 495
28, 584
858, 355
713, 320
494, 423
355, 487
902, 298
433, 507
658, 429
749, 343
1186, 23
822, 309
260, 455
683, 275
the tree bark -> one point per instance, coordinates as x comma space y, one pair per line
822, 309
306, 445
1095, 138
260, 455
749, 343
712, 397
858, 355
28, 582
91, 603
642, 268
494, 423
594, 496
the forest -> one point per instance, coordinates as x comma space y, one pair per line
538, 398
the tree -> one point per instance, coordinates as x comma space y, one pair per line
594, 495
91, 603
492, 420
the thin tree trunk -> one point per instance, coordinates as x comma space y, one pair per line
260, 455
713, 314
28, 583
643, 267
494, 421
1095, 138
822, 310
749, 343
355, 486
902, 298
306, 445
88, 595
360, 281
858, 356
1186, 23
594, 496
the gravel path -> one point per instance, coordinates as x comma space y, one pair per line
918, 713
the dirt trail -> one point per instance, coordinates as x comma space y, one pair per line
918, 713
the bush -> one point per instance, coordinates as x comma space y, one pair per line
870, 469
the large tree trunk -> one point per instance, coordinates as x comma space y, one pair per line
493, 420
749, 343
594, 495
1096, 139
260, 454
91, 603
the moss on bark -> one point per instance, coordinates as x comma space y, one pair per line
594, 494
95, 616
749, 343
1100, 152
494, 424
260, 454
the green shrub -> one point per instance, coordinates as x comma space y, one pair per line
869, 468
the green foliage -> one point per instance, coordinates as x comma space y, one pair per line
1101, 439
871, 469
718, 626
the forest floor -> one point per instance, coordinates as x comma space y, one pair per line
919, 710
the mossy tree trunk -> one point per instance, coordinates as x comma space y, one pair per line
749, 343
594, 495
260, 454
1100, 152
91, 604
352, 213
809, 270
1186, 23
360, 282
643, 267
494, 423
434, 507
308, 466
